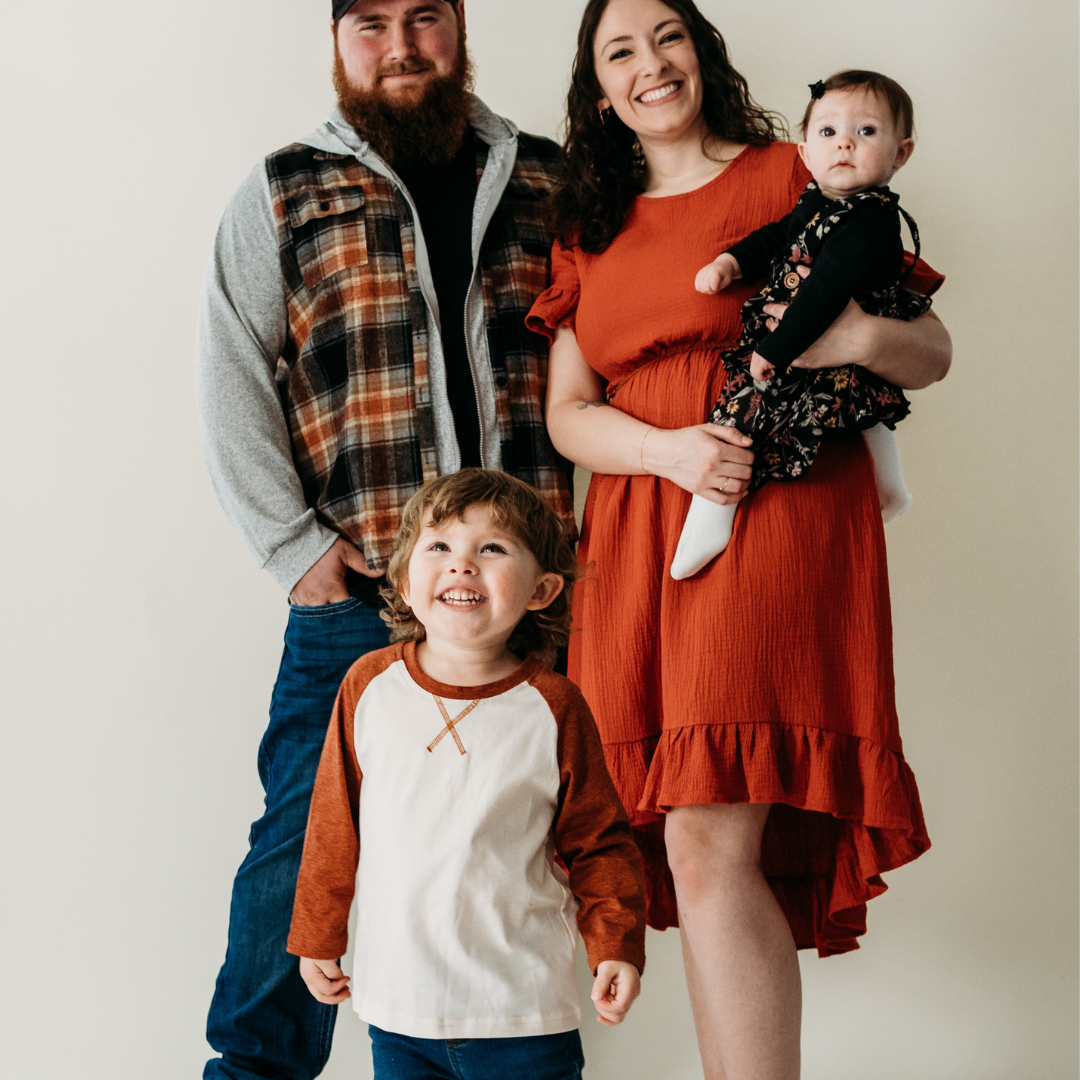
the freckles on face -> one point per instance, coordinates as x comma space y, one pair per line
647, 67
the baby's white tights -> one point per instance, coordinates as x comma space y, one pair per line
707, 529
893, 495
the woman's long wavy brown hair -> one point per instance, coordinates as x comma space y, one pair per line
604, 167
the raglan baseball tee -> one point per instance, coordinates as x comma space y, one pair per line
442, 809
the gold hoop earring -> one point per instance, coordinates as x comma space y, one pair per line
603, 115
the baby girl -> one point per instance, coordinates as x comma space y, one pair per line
845, 228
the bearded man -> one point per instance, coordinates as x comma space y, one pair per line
361, 332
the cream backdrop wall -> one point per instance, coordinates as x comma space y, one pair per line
140, 643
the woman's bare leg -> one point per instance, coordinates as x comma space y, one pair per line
708, 1046
742, 968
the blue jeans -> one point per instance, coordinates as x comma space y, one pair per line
263, 1020
530, 1057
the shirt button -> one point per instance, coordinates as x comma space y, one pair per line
791, 281
500, 381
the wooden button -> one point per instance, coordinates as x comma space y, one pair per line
792, 280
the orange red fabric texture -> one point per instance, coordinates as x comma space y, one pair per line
768, 677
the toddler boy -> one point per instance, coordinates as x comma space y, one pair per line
456, 767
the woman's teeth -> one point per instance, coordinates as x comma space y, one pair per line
660, 92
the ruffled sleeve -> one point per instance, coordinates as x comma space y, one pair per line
558, 303
924, 278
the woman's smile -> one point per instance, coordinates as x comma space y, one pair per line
660, 93
648, 70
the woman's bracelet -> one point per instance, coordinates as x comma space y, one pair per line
648, 432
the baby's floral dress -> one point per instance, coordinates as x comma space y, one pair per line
788, 414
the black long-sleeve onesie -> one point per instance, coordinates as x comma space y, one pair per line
854, 250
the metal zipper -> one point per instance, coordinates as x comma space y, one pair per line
472, 372
488, 213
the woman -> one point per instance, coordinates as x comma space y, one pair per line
747, 713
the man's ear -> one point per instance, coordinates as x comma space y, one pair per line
461, 14
547, 588
903, 154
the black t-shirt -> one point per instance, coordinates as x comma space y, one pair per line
444, 196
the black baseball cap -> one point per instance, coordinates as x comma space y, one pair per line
341, 7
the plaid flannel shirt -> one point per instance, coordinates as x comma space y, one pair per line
357, 394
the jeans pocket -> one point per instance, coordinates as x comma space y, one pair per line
319, 611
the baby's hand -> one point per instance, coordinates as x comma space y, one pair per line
326, 981
719, 274
617, 985
760, 368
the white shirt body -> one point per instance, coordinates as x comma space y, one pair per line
465, 925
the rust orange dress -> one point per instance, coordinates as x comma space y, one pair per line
768, 677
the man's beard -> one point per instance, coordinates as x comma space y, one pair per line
407, 131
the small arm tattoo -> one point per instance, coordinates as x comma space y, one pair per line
594, 404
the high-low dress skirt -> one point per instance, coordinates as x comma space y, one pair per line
767, 678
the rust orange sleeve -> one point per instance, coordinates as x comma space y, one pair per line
327, 880
592, 834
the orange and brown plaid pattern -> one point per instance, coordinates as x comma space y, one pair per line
357, 398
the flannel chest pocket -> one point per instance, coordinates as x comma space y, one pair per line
527, 218
329, 232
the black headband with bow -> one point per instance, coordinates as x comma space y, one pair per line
817, 90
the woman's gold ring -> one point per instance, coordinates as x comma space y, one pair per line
723, 486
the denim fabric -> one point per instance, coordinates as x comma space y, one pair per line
530, 1057
263, 1021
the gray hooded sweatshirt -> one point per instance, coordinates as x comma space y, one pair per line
242, 330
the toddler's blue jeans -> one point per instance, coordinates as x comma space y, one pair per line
263, 1020
530, 1057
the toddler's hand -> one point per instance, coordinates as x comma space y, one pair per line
760, 368
719, 274
326, 981
616, 986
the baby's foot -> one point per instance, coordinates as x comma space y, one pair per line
705, 534
893, 495
894, 503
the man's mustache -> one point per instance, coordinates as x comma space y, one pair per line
405, 67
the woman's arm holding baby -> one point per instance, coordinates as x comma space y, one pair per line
911, 355
704, 459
